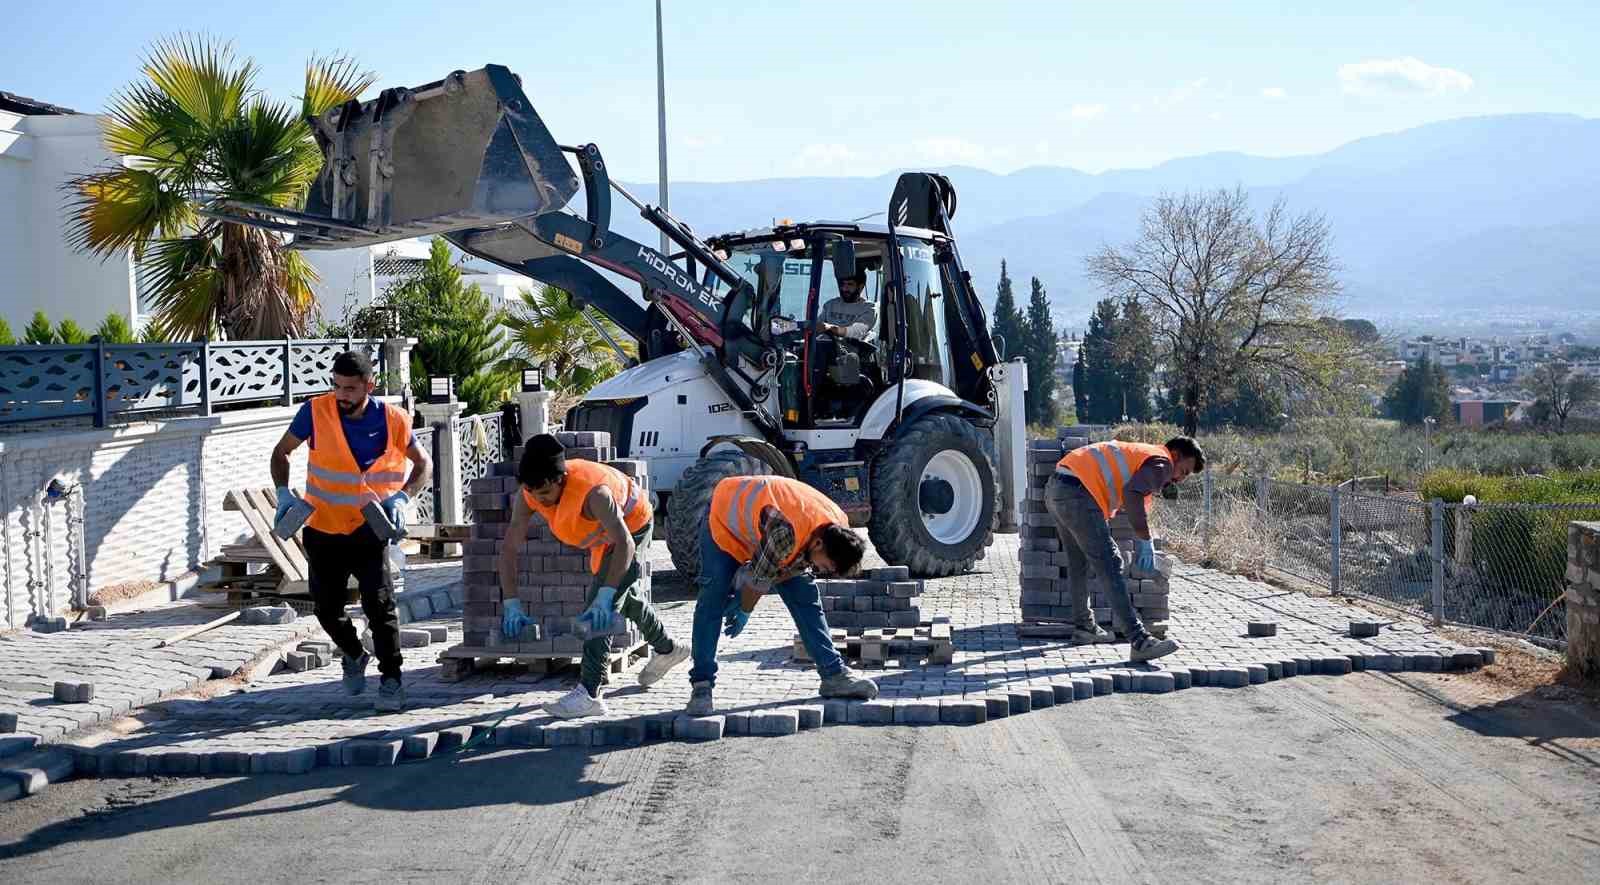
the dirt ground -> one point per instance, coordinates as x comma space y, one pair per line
1373, 777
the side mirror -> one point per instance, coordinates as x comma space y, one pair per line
844, 260
769, 277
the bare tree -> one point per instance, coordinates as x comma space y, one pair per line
1564, 391
1231, 296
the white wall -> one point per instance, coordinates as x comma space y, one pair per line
38, 269
346, 283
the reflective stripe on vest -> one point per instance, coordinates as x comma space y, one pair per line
738, 502
567, 520
1105, 469
336, 487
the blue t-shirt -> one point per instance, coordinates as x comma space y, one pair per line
367, 433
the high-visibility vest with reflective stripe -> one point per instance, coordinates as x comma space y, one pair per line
1105, 468
737, 504
335, 486
567, 521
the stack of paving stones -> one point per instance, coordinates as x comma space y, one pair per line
553, 579
1046, 580
885, 597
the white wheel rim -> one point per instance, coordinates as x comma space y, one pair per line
958, 470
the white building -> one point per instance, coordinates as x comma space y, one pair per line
43, 146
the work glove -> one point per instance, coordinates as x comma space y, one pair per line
512, 619
734, 618
286, 499
394, 507
1145, 559
599, 613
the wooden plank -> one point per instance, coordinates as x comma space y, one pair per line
263, 530
266, 499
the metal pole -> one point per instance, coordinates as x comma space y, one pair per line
1436, 508
100, 384
288, 372
1207, 502
1334, 536
661, 120
1261, 494
205, 376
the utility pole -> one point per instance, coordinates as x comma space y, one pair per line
661, 120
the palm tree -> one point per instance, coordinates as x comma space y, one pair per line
198, 134
547, 328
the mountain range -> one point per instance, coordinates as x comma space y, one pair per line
1469, 214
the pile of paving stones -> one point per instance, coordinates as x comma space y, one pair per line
553, 579
885, 597
1046, 580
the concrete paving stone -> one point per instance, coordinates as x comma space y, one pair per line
1157, 682
1274, 670
1484, 654
1021, 702
300, 760
996, 706
1262, 628
451, 738
1257, 673
1103, 683
1287, 668
836, 711
1358, 661
1466, 660
617, 733
34, 771
439, 634
809, 716
419, 746
963, 712
1063, 692
736, 722
778, 722
1042, 696
1121, 680
874, 712
12, 744
1334, 666
1230, 677
918, 712
412, 638
1181, 678
697, 728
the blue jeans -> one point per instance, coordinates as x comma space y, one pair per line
1085, 533
717, 590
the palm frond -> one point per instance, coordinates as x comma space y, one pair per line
122, 209
256, 157
184, 281
201, 76
332, 80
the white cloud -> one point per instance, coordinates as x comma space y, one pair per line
1402, 76
825, 155
1182, 92
696, 142
1214, 116
1274, 92
1086, 111
942, 150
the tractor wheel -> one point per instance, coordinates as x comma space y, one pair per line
691, 503
935, 501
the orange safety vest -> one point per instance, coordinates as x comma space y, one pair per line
1105, 468
335, 486
738, 502
566, 518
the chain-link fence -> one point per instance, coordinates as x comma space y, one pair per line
1496, 566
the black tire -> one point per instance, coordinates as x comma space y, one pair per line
691, 503
897, 529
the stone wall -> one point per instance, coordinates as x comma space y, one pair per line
152, 498
1583, 598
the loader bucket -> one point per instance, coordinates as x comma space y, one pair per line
467, 151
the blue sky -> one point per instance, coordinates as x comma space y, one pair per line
775, 89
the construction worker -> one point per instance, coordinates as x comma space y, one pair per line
359, 453
769, 533
602, 510
1090, 486
850, 315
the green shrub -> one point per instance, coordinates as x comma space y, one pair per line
114, 329
69, 332
6, 338
39, 330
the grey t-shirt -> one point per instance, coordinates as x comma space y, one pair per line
860, 318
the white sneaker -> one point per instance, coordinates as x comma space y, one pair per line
576, 704
660, 664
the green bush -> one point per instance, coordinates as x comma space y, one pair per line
114, 329
39, 330
6, 338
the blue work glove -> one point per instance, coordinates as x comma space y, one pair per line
599, 613
734, 618
512, 619
286, 499
394, 507
1146, 557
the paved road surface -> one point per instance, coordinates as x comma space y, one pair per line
1370, 777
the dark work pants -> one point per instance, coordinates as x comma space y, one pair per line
332, 560
1085, 534
631, 602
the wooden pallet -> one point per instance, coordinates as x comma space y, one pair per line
258, 506
459, 661
929, 641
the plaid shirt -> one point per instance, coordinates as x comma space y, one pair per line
777, 543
